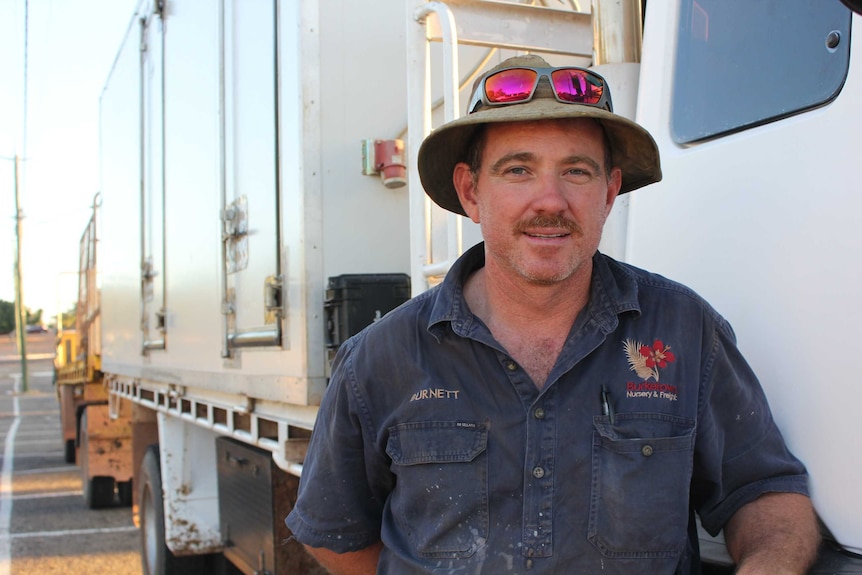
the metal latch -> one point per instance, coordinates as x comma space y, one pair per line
272, 299
160, 320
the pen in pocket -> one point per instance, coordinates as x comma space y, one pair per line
607, 407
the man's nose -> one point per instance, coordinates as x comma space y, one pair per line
549, 195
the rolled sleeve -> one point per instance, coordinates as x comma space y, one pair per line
343, 485
740, 453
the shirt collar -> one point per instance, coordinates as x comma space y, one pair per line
613, 291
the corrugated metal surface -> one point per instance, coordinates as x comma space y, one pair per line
254, 498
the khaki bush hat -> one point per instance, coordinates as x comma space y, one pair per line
633, 149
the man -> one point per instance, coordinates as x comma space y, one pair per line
546, 409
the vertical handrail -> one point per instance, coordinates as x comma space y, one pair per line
419, 125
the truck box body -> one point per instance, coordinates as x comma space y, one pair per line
240, 148
220, 134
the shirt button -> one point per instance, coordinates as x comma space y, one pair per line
646, 450
511, 365
538, 472
539, 413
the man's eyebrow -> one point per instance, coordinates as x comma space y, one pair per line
572, 160
497, 166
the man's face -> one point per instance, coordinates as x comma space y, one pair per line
542, 195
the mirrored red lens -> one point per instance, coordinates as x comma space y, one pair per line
577, 86
510, 85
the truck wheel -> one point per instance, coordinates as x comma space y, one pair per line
124, 491
69, 452
156, 558
99, 490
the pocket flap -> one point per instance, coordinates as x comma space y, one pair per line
436, 441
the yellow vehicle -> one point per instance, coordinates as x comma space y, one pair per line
93, 437
70, 390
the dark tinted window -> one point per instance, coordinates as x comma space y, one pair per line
741, 63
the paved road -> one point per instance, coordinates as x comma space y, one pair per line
45, 526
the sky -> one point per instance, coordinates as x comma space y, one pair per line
71, 46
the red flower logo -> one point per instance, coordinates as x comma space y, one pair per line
658, 355
647, 360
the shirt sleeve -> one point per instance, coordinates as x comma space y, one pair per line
344, 481
739, 452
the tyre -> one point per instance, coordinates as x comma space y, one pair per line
69, 451
124, 493
156, 558
98, 491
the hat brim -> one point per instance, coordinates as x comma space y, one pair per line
633, 149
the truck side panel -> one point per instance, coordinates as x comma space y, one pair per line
120, 149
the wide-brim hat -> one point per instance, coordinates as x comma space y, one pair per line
633, 149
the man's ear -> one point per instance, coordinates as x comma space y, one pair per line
462, 179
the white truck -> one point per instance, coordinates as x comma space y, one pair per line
260, 203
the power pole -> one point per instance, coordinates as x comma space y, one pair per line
20, 312
20, 319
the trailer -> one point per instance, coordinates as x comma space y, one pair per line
260, 203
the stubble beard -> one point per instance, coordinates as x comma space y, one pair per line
549, 277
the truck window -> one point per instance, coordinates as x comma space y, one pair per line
740, 63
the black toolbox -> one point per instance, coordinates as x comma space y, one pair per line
354, 301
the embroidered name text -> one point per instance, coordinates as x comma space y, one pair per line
435, 394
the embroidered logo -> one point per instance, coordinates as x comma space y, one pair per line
646, 360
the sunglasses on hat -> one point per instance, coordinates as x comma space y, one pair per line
517, 85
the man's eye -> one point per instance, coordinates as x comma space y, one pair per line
517, 170
580, 173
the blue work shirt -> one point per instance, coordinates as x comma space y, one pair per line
431, 438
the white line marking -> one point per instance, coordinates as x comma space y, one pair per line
67, 533
29, 356
77, 493
6, 492
40, 455
40, 470
38, 442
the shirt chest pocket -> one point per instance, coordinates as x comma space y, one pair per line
440, 498
641, 470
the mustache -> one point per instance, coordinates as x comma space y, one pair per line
546, 221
